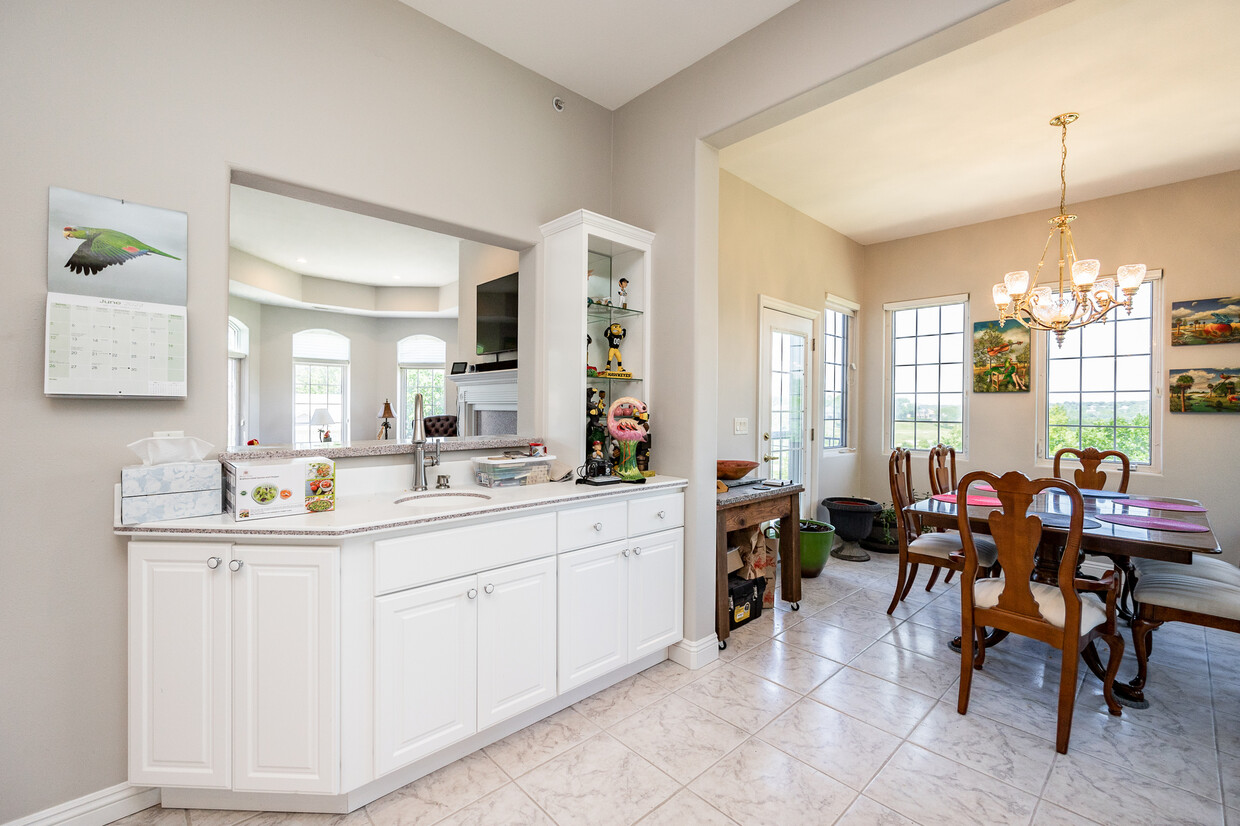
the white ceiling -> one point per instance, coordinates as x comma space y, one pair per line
609, 51
318, 240
965, 138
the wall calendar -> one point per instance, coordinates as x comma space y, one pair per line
116, 315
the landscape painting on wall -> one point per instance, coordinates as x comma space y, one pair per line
1205, 390
1205, 321
1000, 357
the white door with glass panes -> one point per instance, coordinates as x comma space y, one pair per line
784, 398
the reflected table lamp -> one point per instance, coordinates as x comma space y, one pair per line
386, 426
323, 420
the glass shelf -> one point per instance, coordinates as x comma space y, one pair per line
606, 312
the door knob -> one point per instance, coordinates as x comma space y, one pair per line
637, 551
767, 458
625, 552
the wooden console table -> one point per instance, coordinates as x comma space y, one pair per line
743, 507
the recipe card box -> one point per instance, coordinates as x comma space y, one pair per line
178, 490
264, 488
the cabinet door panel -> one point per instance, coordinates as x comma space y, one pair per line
425, 671
516, 639
179, 637
285, 654
593, 596
656, 592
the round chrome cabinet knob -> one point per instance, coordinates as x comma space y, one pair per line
214, 562
234, 565
490, 589
472, 593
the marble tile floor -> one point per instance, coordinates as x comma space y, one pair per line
839, 714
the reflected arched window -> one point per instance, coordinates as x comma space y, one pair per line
320, 386
421, 359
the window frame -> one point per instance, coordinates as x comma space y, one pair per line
405, 416
889, 310
238, 382
1160, 327
343, 424
849, 310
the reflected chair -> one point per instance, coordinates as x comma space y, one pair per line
1090, 474
1052, 612
917, 548
440, 425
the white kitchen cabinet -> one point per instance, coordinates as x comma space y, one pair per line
619, 602
458, 656
593, 615
656, 588
233, 661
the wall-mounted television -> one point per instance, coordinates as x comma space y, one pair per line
497, 315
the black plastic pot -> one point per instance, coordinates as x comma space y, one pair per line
852, 516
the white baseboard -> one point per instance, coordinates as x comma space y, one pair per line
95, 809
694, 654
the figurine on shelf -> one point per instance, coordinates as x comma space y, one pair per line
591, 371
626, 433
623, 293
597, 453
614, 335
594, 418
643, 447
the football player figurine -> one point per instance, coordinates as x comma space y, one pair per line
614, 335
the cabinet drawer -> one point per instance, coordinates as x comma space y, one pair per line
429, 557
592, 525
656, 513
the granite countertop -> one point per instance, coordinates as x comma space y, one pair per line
390, 447
370, 513
753, 493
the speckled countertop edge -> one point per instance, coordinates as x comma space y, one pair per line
374, 448
223, 526
750, 493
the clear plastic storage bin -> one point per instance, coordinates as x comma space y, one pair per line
498, 472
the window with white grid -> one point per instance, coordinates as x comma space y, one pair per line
320, 382
927, 373
422, 359
836, 328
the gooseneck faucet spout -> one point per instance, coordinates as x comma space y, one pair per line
420, 460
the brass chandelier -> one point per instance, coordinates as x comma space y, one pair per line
1083, 299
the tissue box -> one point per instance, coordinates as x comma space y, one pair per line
150, 493
263, 488
501, 471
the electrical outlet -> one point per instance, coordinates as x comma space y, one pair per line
740, 427
169, 433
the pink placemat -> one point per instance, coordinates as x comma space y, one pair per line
1164, 506
1156, 523
973, 500
984, 486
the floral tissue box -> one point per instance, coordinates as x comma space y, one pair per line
178, 490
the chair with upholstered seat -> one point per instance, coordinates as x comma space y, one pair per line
1090, 474
942, 480
1014, 602
1211, 601
917, 548
440, 425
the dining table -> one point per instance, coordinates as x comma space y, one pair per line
1119, 526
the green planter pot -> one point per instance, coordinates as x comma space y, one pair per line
815, 545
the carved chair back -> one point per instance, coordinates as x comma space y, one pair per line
1090, 474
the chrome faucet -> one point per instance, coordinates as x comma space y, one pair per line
421, 461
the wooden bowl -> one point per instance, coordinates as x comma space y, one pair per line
732, 468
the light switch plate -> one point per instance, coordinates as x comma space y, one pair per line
740, 427
159, 433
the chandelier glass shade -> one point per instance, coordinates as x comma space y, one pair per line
1080, 297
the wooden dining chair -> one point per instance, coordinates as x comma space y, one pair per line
942, 480
1051, 612
917, 548
1090, 474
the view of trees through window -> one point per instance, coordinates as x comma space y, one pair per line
835, 379
928, 364
1099, 384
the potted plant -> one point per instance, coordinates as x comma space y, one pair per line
882, 537
816, 540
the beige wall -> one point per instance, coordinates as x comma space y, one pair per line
157, 103
1189, 230
768, 248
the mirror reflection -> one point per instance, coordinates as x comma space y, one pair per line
336, 317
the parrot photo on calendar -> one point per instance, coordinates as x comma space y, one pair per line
104, 247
